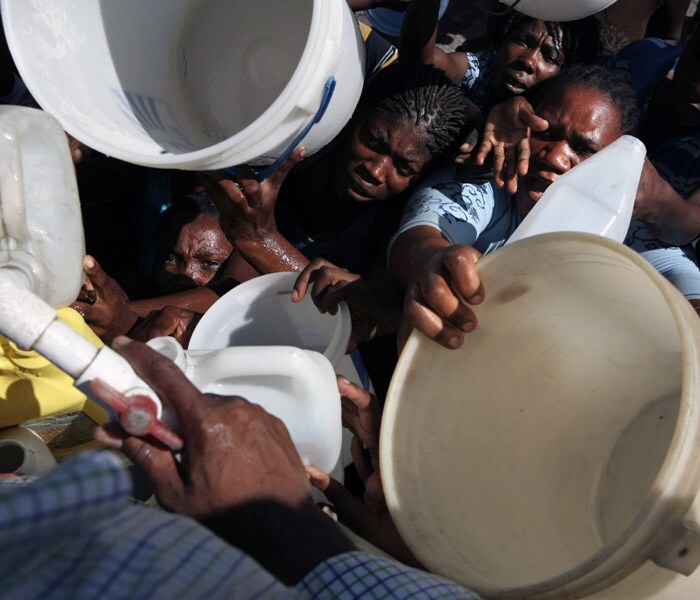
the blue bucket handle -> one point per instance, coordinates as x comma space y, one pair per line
269, 170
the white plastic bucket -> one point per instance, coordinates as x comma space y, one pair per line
189, 84
559, 10
558, 451
260, 312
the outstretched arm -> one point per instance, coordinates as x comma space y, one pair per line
671, 218
418, 36
441, 281
247, 217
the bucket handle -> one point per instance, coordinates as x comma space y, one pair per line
261, 176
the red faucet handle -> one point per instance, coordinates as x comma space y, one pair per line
137, 414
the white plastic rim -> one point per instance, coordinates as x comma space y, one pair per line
559, 10
484, 470
217, 83
260, 312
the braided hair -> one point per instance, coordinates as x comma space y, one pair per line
423, 96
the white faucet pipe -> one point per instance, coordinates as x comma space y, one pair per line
32, 324
23, 316
66, 348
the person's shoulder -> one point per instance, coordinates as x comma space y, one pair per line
379, 52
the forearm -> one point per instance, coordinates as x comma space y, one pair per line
288, 542
198, 300
419, 31
270, 252
412, 250
667, 22
671, 218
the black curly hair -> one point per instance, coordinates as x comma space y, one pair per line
578, 41
422, 95
609, 82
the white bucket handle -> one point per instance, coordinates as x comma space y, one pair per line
270, 170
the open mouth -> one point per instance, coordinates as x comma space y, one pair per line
514, 85
359, 191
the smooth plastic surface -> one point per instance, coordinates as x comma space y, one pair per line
557, 451
260, 312
216, 83
40, 224
22, 451
390, 21
297, 386
597, 196
559, 10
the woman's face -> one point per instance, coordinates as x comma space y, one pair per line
582, 121
190, 253
381, 159
528, 56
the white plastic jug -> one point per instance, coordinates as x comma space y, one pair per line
557, 453
297, 386
260, 312
559, 10
41, 232
596, 196
190, 84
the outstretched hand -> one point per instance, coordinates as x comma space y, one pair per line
247, 206
507, 135
438, 299
370, 518
172, 321
103, 303
331, 285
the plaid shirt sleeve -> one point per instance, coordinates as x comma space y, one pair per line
359, 575
74, 533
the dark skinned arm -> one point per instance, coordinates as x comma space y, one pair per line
671, 218
247, 217
441, 281
418, 37
667, 22
257, 498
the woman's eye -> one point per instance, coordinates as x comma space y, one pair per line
369, 140
583, 151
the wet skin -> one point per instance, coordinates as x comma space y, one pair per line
190, 254
382, 158
528, 56
582, 121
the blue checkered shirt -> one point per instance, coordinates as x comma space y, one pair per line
75, 534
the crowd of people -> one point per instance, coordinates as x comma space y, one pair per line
445, 155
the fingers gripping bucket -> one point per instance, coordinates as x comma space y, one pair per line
557, 451
190, 84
